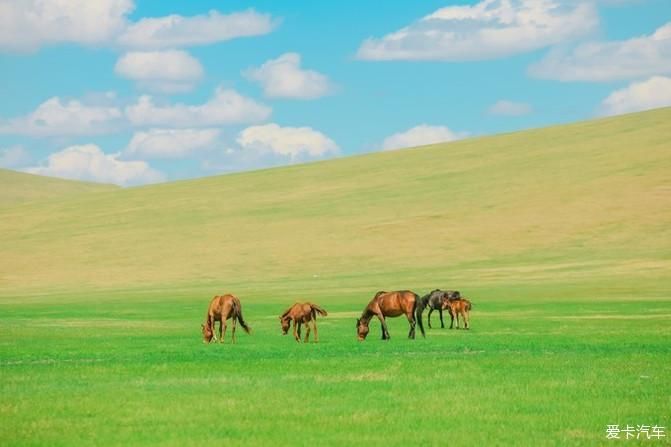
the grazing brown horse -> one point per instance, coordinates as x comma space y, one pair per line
435, 300
390, 304
460, 306
301, 313
221, 309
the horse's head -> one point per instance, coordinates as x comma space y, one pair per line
208, 333
286, 322
361, 329
453, 295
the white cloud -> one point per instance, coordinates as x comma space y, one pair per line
89, 162
14, 157
284, 78
166, 71
419, 136
25, 25
175, 31
652, 93
226, 107
487, 30
606, 61
169, 143
56, 117
509, 108
292, 142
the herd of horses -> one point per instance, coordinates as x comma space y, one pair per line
384, 304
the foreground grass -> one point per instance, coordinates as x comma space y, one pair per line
132, 370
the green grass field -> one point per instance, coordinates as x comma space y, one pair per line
560, 237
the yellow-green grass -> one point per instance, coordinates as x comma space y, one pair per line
560, 237
586, 200
18, 187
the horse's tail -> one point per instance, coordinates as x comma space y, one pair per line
241, 320
318, 309
420, 304
469, 305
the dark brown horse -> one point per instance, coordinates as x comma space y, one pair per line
301, 313
221, 309
434, 300
390, 304
460, 306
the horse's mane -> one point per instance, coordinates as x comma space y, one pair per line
286, 312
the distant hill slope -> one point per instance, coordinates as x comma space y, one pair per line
18, 187
590, 200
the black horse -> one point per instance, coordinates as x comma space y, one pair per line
435, 300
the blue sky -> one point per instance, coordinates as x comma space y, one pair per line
133, 92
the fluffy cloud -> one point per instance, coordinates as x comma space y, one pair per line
509, 108
291, 142
56, 117
89, 162
14, 157
487, 30
25, 25
226, 107
169, 143
419, 136
175, 31
166, 71
284, 78
606, 61
652, 93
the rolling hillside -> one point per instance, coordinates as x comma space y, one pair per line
18, 187
585, 202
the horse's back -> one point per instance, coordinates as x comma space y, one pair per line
221, 304
396, 303
459, 305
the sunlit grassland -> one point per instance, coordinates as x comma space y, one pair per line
128, 367
560, 237
593, 196
18, 187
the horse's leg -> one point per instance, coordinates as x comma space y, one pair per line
466, 323
385, 331
411, 320
451, 319
298, 339
314, 323
222, 328
429, 316
440, 312
210, 322
296, 335
456, 315
233, 329
307, 332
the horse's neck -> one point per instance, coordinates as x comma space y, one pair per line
367, 315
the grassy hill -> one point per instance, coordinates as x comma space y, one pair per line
584, 201
559, 236
18, 187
